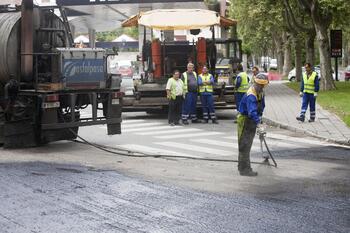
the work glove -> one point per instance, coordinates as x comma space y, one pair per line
315, 94
301, 94
260, 129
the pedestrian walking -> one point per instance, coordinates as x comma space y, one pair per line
309, 87
206, 82
189, 109
249, 121
175, 91
241, 85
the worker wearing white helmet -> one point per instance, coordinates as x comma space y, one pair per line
249, 120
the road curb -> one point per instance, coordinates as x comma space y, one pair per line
297, 130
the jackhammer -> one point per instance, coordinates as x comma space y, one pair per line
262, 136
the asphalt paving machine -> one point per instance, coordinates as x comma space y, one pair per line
160, 57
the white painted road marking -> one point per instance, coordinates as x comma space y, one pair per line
151, 150
173, 131
141, 125
189, 135
132, 121
148, 129
202, 149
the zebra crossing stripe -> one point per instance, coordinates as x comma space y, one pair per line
130, 126
148, 129
189, 135
132, 121
232, 145
175, 130
277, 143
153, 150
216, 143
288, 138
202, 149
295, 139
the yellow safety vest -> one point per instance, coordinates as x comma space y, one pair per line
259, 98
251, 91
205, 87
173, 84
184, 74
244, 82
309, 83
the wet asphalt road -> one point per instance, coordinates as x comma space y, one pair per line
42, 197
71, 187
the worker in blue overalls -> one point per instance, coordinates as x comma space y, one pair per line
206, 82
309, 87
249, 121
241, 85
189, 107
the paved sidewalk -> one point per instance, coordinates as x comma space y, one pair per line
283, 105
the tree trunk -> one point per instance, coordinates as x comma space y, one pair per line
327, 82
298, 56
310, 48
345, 58
287, 65
321, 23
279, 52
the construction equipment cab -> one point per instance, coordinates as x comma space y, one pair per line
161, 56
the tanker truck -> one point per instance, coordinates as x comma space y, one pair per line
45, 82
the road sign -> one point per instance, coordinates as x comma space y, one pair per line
336, 43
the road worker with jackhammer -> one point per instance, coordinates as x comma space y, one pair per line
249, 121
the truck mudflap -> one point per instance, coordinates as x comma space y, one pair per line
17, 134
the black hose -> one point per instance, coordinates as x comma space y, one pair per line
129, 153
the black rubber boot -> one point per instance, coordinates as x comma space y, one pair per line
312, 120
206, 121
196, 121
301, 118
215, 121
248, 172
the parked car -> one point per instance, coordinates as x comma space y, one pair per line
273, 64
347, 73
292, 74
125, 71
292, 78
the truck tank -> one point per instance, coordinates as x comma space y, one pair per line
9, 45
45, 38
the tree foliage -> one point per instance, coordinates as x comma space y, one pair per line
111, 35
261, 24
